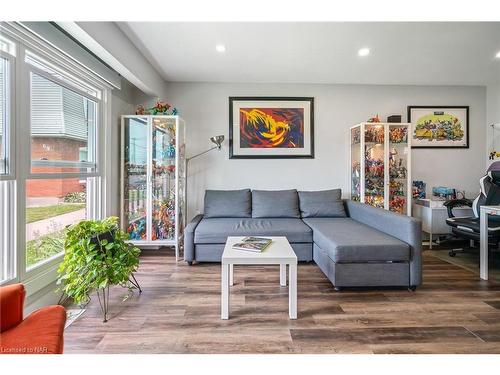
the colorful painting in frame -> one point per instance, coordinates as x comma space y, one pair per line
439, 127
271, 127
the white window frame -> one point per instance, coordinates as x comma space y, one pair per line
44, 273
7, 180
9, 131
8, 231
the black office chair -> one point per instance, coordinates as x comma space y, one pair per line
489, 195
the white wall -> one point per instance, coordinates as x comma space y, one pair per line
204, 106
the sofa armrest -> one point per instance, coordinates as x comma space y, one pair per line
189, 238
404, 228
11, 306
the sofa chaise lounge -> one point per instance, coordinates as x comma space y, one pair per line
355, 245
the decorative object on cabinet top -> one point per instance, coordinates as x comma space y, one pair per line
374, 119
160, 108
394, 119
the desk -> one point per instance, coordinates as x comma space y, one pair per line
433, 215
483, 238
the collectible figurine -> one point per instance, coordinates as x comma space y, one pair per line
374, 119
418, 190
397, 204
494, 154
356, 136
398, 135
162, 108
140, 110
170, 151
374, 134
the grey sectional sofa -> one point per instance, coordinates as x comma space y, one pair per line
355, 245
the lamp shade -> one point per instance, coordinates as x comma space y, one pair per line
218, 139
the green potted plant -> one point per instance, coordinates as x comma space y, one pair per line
96, 258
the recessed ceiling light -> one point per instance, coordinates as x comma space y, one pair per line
498, 55
220, 48
364, 52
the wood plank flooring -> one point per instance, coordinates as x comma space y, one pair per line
179, 312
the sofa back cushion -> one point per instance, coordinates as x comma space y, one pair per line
228, 203
326, 203
275, 203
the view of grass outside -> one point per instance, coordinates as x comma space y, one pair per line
50, 244
44, 247
52, 206
45, 212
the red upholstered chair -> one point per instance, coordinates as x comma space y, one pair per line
40, 333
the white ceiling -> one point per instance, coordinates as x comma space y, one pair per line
401, 53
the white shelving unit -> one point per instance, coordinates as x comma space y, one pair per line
153, 179
380, 165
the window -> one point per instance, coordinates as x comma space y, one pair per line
64, 136
62, 125
4, 115
57, 136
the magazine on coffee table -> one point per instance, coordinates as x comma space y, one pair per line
253, 244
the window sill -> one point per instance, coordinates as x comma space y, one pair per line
34, 282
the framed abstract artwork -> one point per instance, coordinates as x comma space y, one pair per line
271, 127
439, 126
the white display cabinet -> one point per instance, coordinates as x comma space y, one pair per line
153, 180
380, 165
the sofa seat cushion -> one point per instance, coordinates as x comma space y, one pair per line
40, 333
216, 230
346, 240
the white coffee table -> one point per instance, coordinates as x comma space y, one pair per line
279, 252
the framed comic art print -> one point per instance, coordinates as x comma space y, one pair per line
439, 126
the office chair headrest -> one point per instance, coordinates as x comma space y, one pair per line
494, 172
494, 167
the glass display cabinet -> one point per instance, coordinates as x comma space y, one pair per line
152, 180
380, 165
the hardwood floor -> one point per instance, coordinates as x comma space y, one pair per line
179, 312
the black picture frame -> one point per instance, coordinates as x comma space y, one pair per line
233, 99
444, 107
